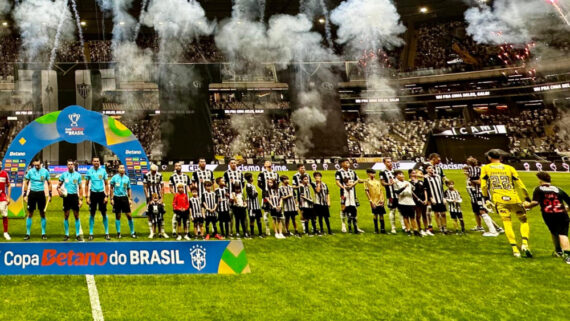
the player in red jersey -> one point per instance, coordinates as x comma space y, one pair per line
5, 200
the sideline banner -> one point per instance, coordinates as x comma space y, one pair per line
212, 257
74, 125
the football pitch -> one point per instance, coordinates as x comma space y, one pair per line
338, 277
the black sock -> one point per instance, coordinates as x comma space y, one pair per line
314, 223
321, 224
382, 227
328, 224
306, 223
259, 226
222, 228
375, 224
243, 225
462, 225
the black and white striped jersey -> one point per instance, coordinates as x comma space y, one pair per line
272, 196
434, 185
454, 200
153, 183
232, 177
195, 207
209, 201
341, 175
199, 177
264, 176
222, 199
288, 203
297, 179
305, 196
252, 197
321, 195
386, 176
475, 193
181, 178
474, 173
436, 169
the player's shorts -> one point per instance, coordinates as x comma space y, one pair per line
255, 214
408, 211
224, 216
71, 203
439, 207
198, 220
350, 211
393, 203
97, 200
456, 215
4, 208
155, 217
557, 223
379, 210
277, 215
182, 216
37, 200
308, 213
476, 207
121, 205
211, 219
505, 210
290, 214
322, 211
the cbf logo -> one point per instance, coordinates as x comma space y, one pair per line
198, 255
74, 129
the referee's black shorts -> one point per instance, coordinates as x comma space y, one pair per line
97, 200
121, 205
71, 203
37, 199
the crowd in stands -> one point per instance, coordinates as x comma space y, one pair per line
148, 132
8, 130
253, 136
446, 45
530, 132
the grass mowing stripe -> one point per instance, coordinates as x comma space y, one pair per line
94, 298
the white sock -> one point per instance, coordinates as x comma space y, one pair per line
489, 222
174, 223
393, 219
150, 226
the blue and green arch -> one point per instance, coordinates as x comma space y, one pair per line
75, 124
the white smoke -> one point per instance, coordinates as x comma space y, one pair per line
512, 21
290, 38
248, 129
38, 22
4, 7
368, 24
306, 118
123, 23
371, 25
178, 23
134, 62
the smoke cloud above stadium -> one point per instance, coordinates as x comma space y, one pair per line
514, 21
39, 25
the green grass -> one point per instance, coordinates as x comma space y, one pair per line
326, 278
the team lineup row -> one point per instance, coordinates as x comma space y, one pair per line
236, 198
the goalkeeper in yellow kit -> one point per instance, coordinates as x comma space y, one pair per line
498, 182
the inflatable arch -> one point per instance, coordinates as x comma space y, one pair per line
75, 124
